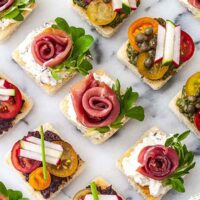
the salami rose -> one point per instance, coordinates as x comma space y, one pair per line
195, 3
95, 103
51, 47
4, 4
158, 162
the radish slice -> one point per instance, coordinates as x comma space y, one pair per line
133, 4
160, 43
38, 157
36, 148
47, 144
3, 97
101, 197
177, 46
117, 5
2, 82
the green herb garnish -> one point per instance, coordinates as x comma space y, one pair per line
94, 191
79, 60
127, 107
43, 153
16, 10
186, 161
11, 194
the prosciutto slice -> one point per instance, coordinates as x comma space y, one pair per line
95, 103
4, 4
51, 47
158, 162
195, 3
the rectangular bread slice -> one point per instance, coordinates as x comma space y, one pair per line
37, 194
49, 89
155, 85
27, 106
106, 32
65, 106
7, 32
144, 191
181, 116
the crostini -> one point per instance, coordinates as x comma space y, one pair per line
98, 189
186, 104
45, 162
14, 104
105, 16
157, 163
156, 49
12, 14
195, 197
8, 194
193, 6
55, 53
98, 107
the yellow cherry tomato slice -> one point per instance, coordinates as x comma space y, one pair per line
156, 72
36, 179
139, 26
193, 85
68, 164
100, 13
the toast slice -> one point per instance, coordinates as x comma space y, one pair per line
96, 138
155, 85
26, 108
144, 191
49, 89
37, 194
7, 32
181, 116
106, 31
100, 182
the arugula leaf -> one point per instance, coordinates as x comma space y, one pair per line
79, 59
186, 161
136, 113
104, 129
11, 194
16, 10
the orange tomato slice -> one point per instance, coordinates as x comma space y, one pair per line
36, 179
193, 85
139, 26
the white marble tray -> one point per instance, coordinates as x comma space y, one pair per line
101, 159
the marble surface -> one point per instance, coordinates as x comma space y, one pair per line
101, 160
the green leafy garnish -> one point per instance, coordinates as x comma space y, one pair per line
11, 194
94, 191
127, 107
43, 153
16, 10
79, 59
186, 161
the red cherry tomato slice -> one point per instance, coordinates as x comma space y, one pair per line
197, 120
10, 108
187, 47
24, 165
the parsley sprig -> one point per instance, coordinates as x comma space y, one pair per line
11, 194
16, 10
186, 161
127, 107
80, 55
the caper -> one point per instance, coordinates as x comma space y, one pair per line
140, 37
197, 106
153, 43
144, 46
106, 1
191, 109
148, 63
148, 31
192, 98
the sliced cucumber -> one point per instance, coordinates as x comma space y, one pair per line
169, 43
101, 197
177, 46
47, 144
7, 92
160, 43
36, 156
37, 149
126, 3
